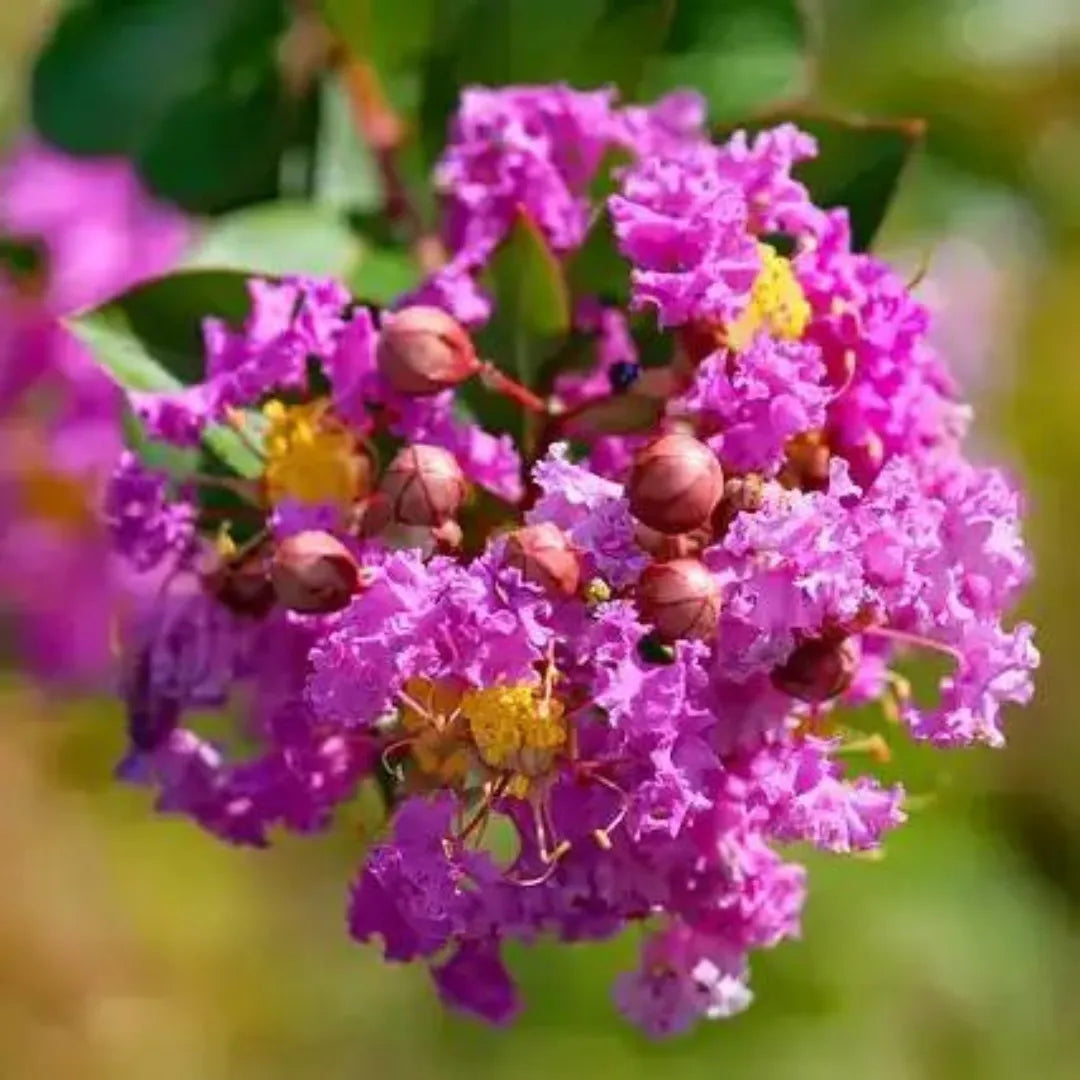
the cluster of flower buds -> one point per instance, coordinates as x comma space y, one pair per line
630, 629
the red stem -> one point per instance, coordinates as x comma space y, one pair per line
503, 384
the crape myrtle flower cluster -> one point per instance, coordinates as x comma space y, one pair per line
77, 232
598, 673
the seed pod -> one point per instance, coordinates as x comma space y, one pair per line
680, 598
422, 350
742, 494
806, 467
543, 553
818, 669
425, 485
314, 573
664, 548
675, 484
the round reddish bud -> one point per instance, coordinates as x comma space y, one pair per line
543, 553
422, 350
314, 573
818, 669
664, 548
243, 586
680, 598
675, 484
370, 516
425, 485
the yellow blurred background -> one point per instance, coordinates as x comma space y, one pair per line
137, 949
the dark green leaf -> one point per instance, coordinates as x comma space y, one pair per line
283, 237
597, 268
618, 48
508, 41
741, 54
859, 164
190, 91
222, 147
387, 35
532, 303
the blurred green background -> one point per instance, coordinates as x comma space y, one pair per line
132, 948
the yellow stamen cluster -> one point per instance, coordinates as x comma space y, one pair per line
514, 729
777, 304
311, 456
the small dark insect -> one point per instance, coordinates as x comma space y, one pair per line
623, 374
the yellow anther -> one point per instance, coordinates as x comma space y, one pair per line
438, 745
777, 304
873, 746
224, 544
513, 729
311, 456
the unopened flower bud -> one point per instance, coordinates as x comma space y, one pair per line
370, 516
314, 573
544, 554
680, 598
818, 669
425, 485
675, 484
422, 350
664, 547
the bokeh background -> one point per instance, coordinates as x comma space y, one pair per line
137, 949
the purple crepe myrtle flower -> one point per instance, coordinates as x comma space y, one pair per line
147, 521
101, 232
652, 753
97, 233
751, 406
685, 229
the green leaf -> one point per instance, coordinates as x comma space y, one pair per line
382, 274
222, 147
150, 340
597, 268
190, 91
532, 303
283, 237
858, 166
740, 54
387, 35
346, 176
618, 48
